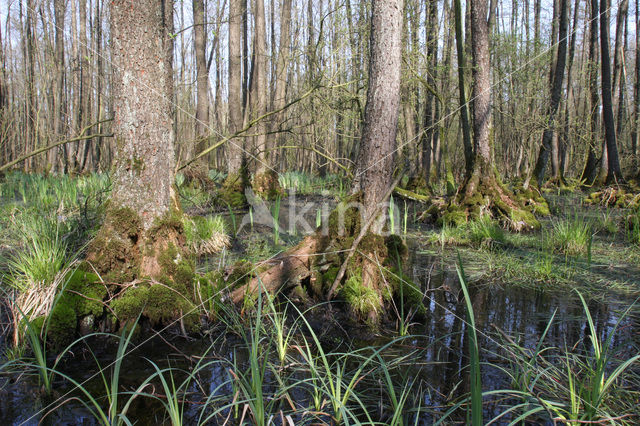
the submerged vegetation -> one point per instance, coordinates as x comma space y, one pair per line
271, 360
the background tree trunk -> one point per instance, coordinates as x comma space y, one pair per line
614, 173
202, 82
235, 146
556, 93
590, 169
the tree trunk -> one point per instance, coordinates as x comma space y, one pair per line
59, 116
372, 178
84, 114
235, 147
591, 167
636, 94
375, 166
614, 174
482, 193
431, 132
556, 94
265, 180
132, 239
464, 108
202, 83
279, 98
31, 124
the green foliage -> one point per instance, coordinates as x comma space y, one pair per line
205, 234
43, 254
571, 236
363, 300
485, 231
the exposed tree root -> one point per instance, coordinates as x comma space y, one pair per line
350, 261
485, 195
616, 196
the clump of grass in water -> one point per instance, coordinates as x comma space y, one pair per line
205, 235
449, 235
486, 232
571, 236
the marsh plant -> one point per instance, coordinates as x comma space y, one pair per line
486, 232
205, 234
571, 236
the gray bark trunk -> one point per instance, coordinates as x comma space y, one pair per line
235, 85
142, 126
614, 173
202, 77
376, 155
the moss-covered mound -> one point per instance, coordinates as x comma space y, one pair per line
487, 196
615, 196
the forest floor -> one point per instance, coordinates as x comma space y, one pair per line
535, 331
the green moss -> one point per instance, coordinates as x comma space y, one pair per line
541, 209
62, 322
362, 300
523, 219
330, 276
267, 186
87, 292
451, 184
125, 221
454, 217
414, 195
241, 273
185, 275
232, 191
131, 304
372, 243
406, 291
169, 224
346, 218
169, 259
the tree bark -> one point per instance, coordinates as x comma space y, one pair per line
464, 108
556, 94
202, 81
614, 174
636, 94
235, 147
377, 144
143, 190
279, 97
590, 169
59, 7
259, 86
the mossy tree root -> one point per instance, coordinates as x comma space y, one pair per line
481, 196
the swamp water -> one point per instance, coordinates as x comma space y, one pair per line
430, 363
